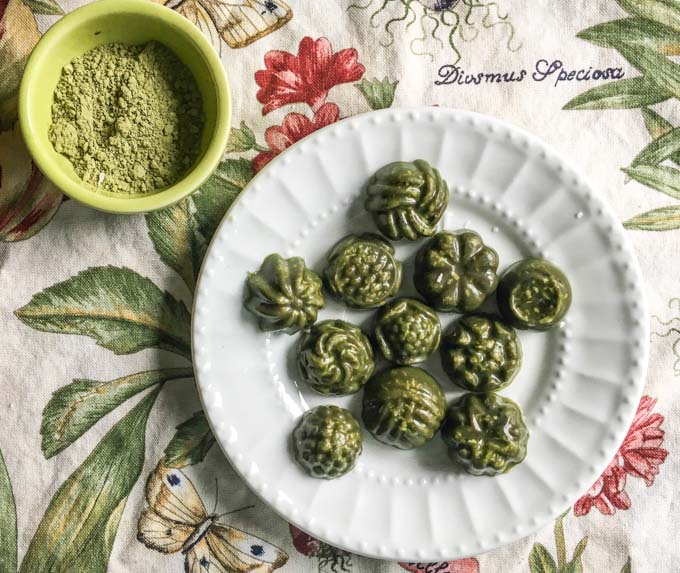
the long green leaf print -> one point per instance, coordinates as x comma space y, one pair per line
76, 407
8, 522
122, 310
621, 94
79, 526
176, 238
190, 444
217, 195
648, 40
44, 7
662, 11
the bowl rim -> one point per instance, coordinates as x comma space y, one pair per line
127, 204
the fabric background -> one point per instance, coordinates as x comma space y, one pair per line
641, 531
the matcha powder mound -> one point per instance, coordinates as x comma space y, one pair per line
129, 118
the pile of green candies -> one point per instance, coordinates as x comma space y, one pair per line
403, 405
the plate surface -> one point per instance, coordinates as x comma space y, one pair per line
579, 385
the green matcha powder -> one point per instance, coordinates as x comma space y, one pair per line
129, 118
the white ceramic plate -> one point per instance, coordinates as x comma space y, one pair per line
579, 385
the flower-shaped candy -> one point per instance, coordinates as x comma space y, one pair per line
407, 331
534, 293
481, 354
485, 433
456, 271
407, 199
327, 441
284, 294
362, 271
335, 357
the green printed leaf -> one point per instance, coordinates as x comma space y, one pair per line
81, 521
663, 219
655, 66
190, 444
8, 522
75, 408
658, 126
122, 310
627, 567
580, 548
46, 7
572, 567
621, 94
663, 11
636, 32
379, 94
175, 236
540, 561
241, 139
660, 149
215, 197
655, 124
658, 177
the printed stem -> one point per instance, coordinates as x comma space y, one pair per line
560, 541
259, 148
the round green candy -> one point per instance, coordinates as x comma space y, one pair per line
327, 442
335, 358
407, 199
362, 271
485, 433
284, 294
407, 331
534, 294
481, 354
456, 271
403, 407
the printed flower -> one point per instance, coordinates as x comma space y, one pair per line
295, 126
468, 565
306, 77
329, 557
639, 456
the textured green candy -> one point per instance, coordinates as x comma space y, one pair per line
335, 358
456, 271
403, 407
481, 354
327, 441
407, 199
407, 331
362, 271
486, 433
535, 294
284, 294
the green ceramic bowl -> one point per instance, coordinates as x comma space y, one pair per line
131, 22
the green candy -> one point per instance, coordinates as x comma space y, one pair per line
284, 294
327, 442
485, 433
362, 271
407, 199
456, 271
403, 407
335, 358
407, 331
481, 354
534, 294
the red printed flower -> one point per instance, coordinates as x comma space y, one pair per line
306, 77
469, 565
328, 556
639, 456
295, 126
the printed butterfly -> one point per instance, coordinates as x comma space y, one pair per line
239, 22
177, 520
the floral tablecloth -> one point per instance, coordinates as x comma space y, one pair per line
96, 388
